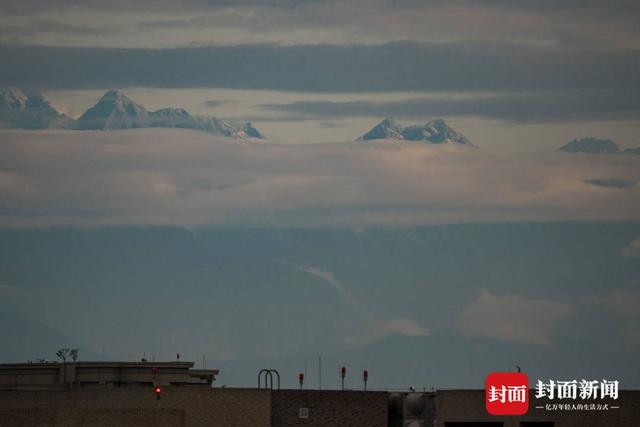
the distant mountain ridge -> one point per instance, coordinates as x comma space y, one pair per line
29, 111
114, 110
611, 182
436, 132
591, 145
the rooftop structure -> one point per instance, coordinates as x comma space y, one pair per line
55, 375
79, 394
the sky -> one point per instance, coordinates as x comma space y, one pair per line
157, 24
163, 240
324, 71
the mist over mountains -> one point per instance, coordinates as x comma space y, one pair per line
432, 191
191, 178
114, 110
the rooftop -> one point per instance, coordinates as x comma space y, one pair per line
54, 375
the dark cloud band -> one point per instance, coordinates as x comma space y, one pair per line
515, 107
326, 68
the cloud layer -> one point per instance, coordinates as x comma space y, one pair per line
632, 249
169, 23
179, 177
512, 317
398, 66
529, 107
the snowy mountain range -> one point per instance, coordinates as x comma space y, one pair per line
29, 111
592, 145
436, 132
114, 110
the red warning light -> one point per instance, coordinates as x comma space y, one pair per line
158, 390
343, 372
365, 375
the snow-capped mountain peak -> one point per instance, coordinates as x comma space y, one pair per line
12, 98
436, 132
29, 111
386, 129
117, 111
590, 145
114, 110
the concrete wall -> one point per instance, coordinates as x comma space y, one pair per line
188, 406
136, 407
469, 406
329, 408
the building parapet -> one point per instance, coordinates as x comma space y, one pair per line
44, 376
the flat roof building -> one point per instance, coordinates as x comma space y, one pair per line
121, 394
55, 375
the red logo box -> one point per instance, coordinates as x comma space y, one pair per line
507, 393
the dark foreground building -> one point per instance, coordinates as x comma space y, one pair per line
109, 394
466, 408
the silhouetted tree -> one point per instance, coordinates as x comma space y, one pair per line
63, 353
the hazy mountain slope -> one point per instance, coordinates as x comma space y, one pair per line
591, 145
29, 111
251, 294
436, 132
114, 110
24, 338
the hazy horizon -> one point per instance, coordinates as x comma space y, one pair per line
428, 263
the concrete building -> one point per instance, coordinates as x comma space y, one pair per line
53, 375
466, 408
120, 394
